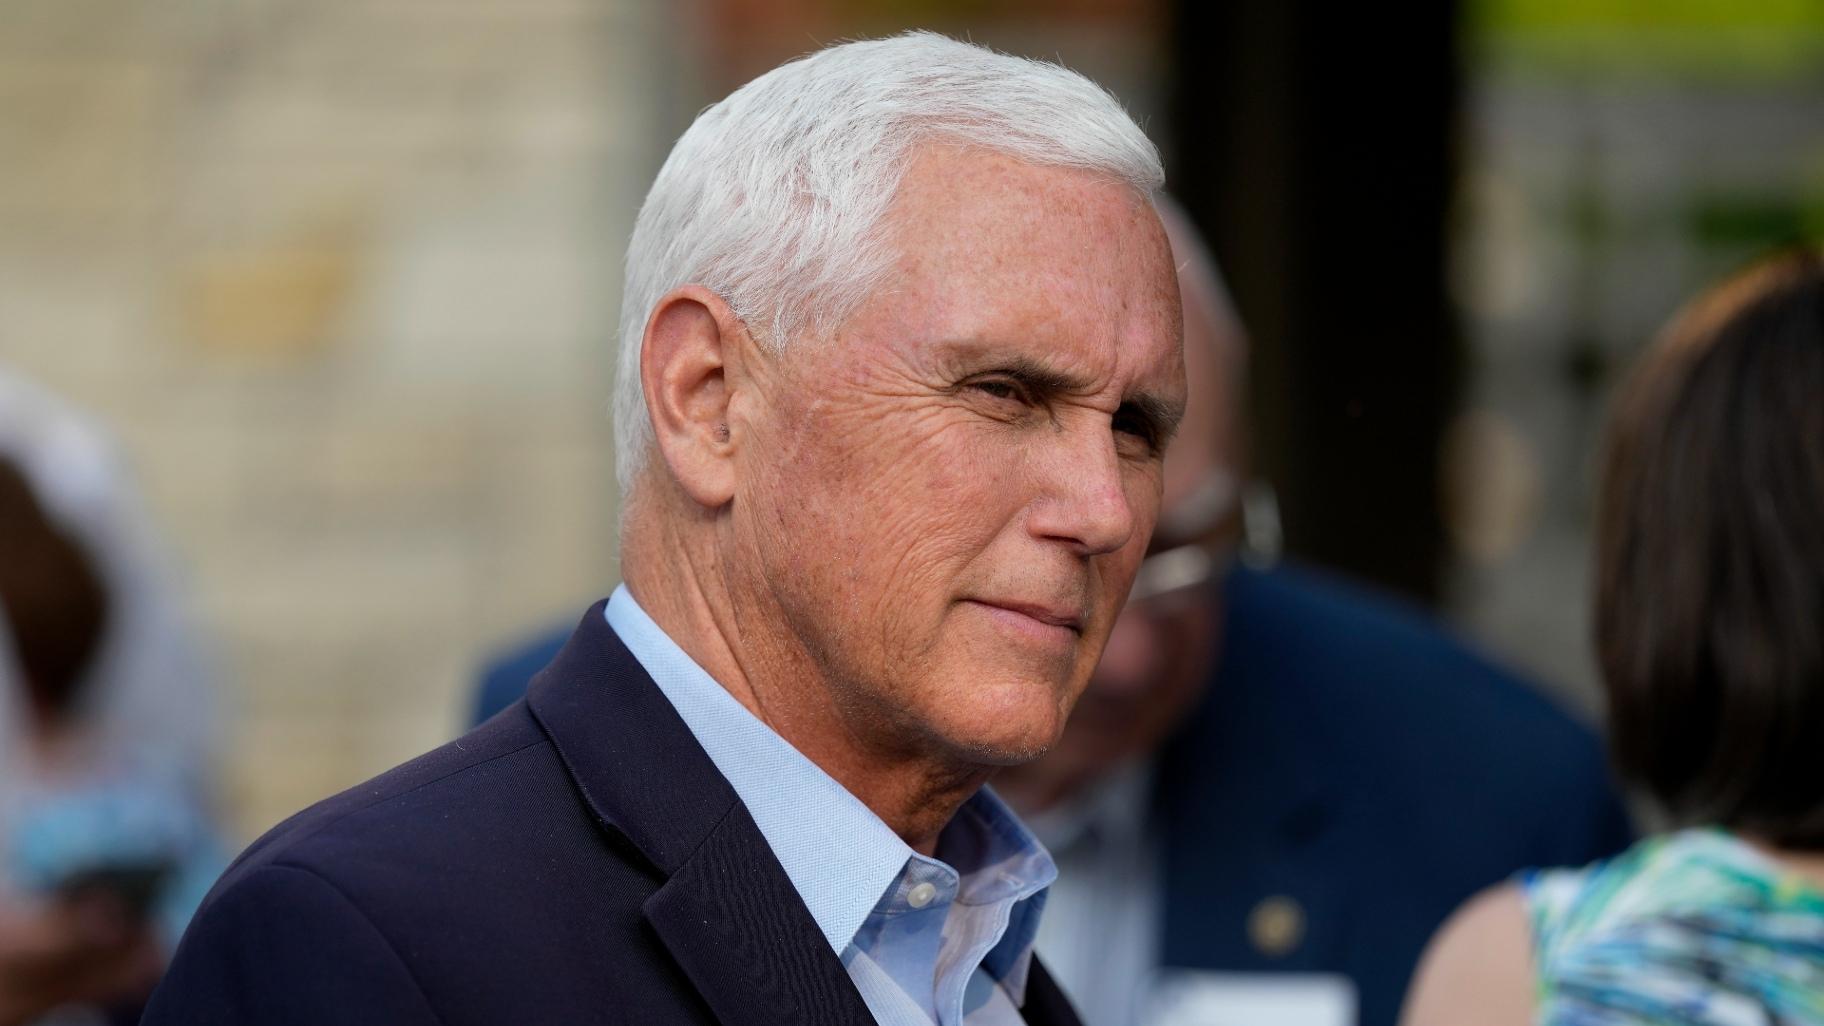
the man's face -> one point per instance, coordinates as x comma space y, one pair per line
1158, 657
946, 500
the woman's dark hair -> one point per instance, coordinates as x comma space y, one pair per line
54, 603
1710, 559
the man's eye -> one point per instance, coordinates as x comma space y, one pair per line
1000, 388
1138, 428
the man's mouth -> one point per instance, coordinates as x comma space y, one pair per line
1046, 615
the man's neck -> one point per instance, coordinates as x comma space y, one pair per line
774, 679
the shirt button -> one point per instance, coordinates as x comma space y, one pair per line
920, 895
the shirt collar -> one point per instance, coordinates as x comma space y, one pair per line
996, 856
1003, 862
842, 859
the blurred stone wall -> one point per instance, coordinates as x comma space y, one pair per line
342, 275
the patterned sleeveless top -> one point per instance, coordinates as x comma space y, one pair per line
1694, 927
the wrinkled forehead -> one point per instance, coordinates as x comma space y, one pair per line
990, 248
1006, 200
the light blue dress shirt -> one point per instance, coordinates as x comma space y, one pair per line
944, 941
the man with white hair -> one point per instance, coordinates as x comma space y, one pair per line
900, 360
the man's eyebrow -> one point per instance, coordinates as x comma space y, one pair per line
1161, 414
1040, 376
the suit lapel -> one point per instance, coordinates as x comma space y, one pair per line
727, 912
732, 919
1046, 1004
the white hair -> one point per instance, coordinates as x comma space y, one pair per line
774, 198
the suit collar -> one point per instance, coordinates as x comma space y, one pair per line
1045, 1002
632, 758
726, 911
840, 861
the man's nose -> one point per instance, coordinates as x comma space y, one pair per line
1085, 498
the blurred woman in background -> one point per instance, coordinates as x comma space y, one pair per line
1710, 634
106, 718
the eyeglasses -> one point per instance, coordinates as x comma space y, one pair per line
1173, 570
1184, 565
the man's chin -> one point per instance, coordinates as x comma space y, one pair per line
1003, 741
1000, 754
995, 716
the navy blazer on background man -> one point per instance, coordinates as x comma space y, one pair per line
576, 859
1355, 765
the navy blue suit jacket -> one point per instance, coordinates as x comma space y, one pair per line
1354, 758
576, 859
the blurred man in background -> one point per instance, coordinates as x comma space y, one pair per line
1277, 785
105, 727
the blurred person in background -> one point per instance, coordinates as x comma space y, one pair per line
1277, 785
1709, 615
105, 727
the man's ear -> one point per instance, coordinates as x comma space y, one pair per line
690, 340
